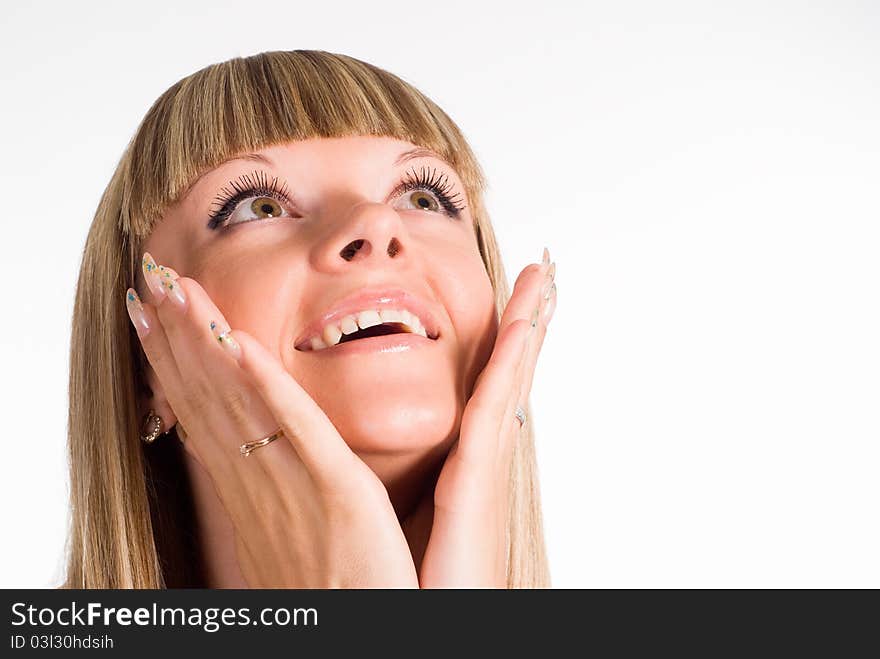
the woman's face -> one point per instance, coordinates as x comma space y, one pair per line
299, 242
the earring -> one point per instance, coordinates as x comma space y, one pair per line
151, 427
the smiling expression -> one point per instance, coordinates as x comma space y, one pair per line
355, 260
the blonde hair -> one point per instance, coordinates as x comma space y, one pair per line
130, 509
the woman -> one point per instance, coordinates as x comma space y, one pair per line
292, 272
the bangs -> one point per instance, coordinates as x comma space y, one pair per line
246, 104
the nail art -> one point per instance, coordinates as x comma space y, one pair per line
136, 312
152, 277
172, 287
545, 257
225, 339
165, 271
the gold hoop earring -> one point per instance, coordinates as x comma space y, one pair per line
151, 427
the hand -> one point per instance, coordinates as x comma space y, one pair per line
468, 544
307, 512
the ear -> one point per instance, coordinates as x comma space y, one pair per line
157, 401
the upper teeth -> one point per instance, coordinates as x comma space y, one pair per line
333, 332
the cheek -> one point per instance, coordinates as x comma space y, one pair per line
470, 301
257, 295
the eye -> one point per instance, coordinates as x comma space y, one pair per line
255, 208
430, 190
251, 197
424, 200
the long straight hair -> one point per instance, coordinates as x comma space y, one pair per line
130, 509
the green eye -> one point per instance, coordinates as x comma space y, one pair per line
423, 200
251, 197
266, 207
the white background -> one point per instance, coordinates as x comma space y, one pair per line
705, 176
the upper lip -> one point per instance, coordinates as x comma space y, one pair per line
371, 298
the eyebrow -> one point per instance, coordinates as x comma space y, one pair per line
253, 157
420, 153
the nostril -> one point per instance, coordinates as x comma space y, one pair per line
351, 249
393, 247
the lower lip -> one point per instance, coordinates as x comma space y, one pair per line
387, 343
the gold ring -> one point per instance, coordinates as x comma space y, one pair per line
250, 447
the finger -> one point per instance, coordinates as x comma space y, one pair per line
509, 423
173, 387
152, 338
483, 418
158, 399
523, 299
526, 292
518, 394
185, 393
215, 390
526, 374
500, 385
312, 435
162, 364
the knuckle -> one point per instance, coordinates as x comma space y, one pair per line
195, 399
519, 327
237, 402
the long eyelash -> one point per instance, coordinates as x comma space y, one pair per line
255, 184
439, 184
258, 183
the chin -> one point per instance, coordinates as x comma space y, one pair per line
395, 420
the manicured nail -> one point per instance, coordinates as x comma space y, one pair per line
152, 277
550, 305
165, 271
545, 258
224, 338
173, 289
136, 312
548, 281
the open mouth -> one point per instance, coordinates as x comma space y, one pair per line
364, 325
376, 330
370, 315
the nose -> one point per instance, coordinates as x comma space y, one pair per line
369, 234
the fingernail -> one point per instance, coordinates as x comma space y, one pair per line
545, 258
534, 319
136, 312
172, 287
548, 281
165, 271
550, 305
225, 339
151, 276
